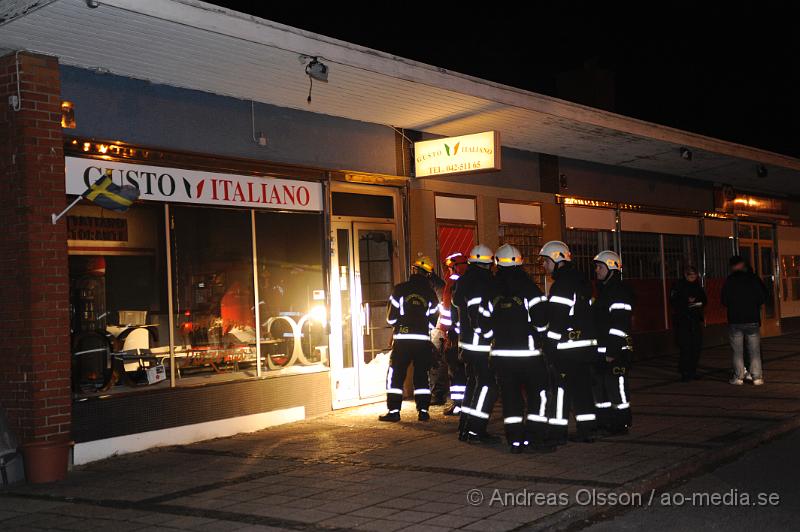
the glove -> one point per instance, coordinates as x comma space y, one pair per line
437, 337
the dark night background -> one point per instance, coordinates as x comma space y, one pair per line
729, 71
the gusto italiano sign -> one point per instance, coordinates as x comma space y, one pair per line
479, 152
193, 186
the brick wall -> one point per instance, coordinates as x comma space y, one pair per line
34, 315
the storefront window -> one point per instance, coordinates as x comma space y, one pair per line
118, 299
291, 291
212, 260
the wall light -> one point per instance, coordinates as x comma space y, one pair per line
315, 70
686, 154
67, 115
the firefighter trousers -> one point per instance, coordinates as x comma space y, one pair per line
404, 352
515, 375
611, 395
458, 377
572, 392
481, 392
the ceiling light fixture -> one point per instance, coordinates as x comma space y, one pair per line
686, 154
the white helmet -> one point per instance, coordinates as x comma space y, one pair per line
508, 255
610, 259
481, 254
556, 250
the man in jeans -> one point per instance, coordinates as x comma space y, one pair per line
743, 295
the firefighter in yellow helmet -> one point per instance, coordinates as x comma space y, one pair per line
413, 309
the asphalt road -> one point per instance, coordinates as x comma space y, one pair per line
770, 470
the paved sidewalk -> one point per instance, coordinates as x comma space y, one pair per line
345, 470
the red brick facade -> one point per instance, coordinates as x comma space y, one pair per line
34, 283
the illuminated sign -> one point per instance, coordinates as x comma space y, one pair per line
193, 186
728, 200
479, 152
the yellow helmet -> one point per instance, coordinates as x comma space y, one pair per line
424, 262
556, 250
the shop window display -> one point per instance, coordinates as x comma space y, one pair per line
118, 310
212, 261
291, 290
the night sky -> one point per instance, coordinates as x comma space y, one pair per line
730, 72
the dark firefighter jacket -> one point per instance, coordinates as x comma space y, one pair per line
413, 309
613, 310
514, 314
470, 292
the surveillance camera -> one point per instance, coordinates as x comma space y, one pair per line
686, 154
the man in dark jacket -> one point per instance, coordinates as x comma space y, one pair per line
515, 316
688, 300
413, 311
613, 313
743, 294
471, 292
571, 345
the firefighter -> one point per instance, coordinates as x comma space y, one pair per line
412, 312
612, 312
445, 335
471, 291
571, 346
516, 318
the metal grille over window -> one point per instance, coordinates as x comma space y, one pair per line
528, 239
584, 245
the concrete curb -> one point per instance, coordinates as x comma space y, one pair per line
577, 517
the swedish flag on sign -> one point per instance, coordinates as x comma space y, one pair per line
105, 193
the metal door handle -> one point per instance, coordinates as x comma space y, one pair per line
366, 319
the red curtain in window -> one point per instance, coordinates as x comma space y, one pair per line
455, 238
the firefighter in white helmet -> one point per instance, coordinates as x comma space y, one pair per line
516, 317
471, 292
413, 309
612, 312
571, 346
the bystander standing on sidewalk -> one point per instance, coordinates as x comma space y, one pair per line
743, 294
688, 300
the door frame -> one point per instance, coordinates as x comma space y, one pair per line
769, 326
353, 223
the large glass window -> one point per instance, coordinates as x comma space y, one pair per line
118, 299
212, 261
291, 290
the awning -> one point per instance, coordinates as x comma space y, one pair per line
186, 43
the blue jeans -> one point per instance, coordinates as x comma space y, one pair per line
737, 333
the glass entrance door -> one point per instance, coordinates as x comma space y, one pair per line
363, 274
756, 246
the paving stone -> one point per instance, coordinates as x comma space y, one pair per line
381, 525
